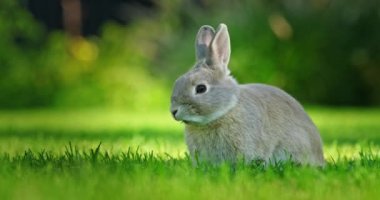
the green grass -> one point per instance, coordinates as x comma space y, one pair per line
119, 155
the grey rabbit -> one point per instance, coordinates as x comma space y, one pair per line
225, 121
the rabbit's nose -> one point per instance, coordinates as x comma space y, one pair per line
174, 112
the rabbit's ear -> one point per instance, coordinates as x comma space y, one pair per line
202, 43
220, 46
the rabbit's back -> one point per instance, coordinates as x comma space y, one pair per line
284, 124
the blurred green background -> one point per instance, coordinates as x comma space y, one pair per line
86, 83
125, 54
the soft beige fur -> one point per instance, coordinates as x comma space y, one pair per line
231, 121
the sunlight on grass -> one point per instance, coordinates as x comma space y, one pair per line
345, 132
333, 152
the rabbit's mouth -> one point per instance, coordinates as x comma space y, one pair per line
191, 123
197, 122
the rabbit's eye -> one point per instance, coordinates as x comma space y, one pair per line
201, 88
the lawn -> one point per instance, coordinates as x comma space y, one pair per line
99, 154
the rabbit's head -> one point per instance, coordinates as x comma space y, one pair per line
207, 91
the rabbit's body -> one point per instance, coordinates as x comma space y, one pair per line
275, 128
226, 121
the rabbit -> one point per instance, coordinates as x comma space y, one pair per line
225, 121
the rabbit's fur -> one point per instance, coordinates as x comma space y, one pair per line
229, 121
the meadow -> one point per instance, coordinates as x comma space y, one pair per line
103, 154
69, 57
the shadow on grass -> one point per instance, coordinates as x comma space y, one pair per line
328, 136
351, 140
109, 135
